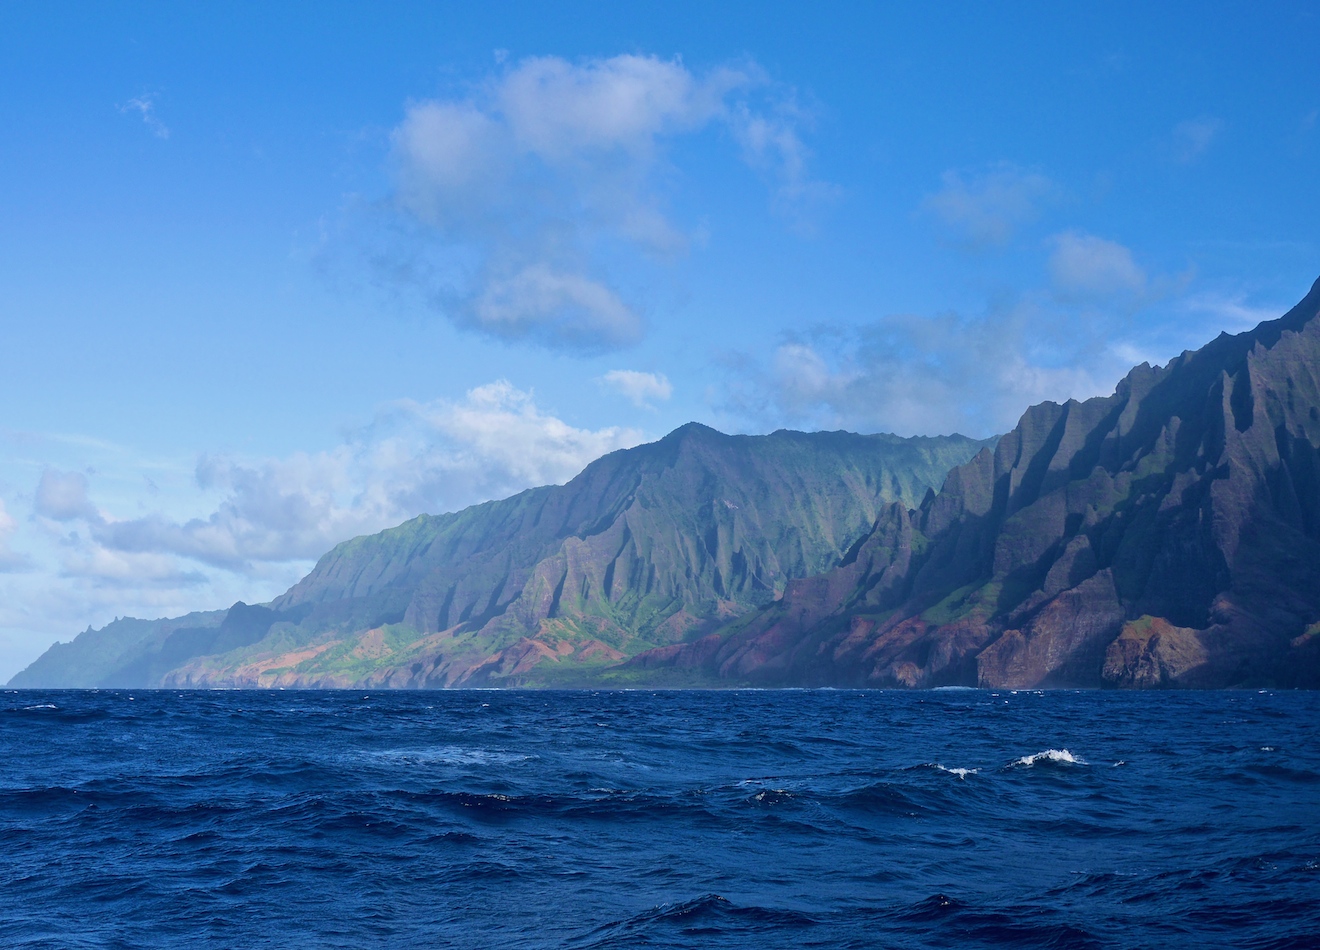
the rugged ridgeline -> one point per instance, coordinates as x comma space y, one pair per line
1167, 535
647, 546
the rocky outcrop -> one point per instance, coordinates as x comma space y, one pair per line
1167, 535
1150, 651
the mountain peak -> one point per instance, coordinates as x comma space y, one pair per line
693, 430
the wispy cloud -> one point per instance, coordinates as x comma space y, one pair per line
1231, 310
1084, 267
11, 561
986, 208
641, 389
545, 185
915, 375
976, 372
1192, 137
145, 107
772, 144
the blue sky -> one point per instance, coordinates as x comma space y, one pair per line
272, 279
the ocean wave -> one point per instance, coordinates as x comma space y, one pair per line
694, 823
448, 755
772, 796
1014, 925
1048, 757
937, 767
961, 773
886, 798
1285, 772
710, 915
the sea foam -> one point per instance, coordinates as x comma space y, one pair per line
1050, 756
961, 773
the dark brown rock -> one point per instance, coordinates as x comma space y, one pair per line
1167, 535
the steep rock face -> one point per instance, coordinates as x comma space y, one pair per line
648, 546
1167, 535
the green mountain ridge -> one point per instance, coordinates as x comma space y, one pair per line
1167, 535
650, 546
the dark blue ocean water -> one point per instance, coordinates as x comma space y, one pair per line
659, 819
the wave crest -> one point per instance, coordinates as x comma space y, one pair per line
1049, 757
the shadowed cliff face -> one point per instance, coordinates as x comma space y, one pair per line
648, 546
1167, 535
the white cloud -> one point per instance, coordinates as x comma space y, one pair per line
412, 458
128, 569
928, 374
10, 560
446, 148
546, 184
641, 389
145, 106
62, 496
559, 308
497, 441
1230, 312
803, 377
976, 372
1086, 267
1192, 137
772, 144
1193, 319
561, 112
987, 208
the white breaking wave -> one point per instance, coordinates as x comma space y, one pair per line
961, 773
1058, 756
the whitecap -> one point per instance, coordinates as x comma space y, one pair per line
961, 773
1055, 756
43, 706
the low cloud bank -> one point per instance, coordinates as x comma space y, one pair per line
412, 458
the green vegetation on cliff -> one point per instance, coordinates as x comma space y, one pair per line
647, 547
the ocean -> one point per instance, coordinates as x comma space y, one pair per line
578, 819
